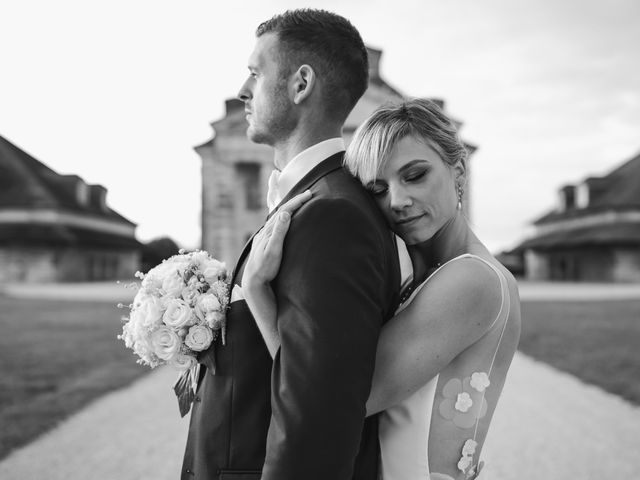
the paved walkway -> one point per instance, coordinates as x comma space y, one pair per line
548, 425
112, 291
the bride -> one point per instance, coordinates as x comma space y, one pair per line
443, 358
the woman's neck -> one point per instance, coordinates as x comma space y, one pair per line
451, 240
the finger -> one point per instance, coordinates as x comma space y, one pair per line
296, 202
260, 239
280, 228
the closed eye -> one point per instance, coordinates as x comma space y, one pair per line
415, 176
377, 189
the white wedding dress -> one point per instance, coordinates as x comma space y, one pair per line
404, 428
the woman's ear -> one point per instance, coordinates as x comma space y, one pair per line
460, 173
304, 81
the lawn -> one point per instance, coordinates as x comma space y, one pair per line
598, 342
55, 357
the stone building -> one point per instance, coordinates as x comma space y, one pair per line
594, 232
56, 227
235, 171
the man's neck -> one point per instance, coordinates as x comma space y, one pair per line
286, 150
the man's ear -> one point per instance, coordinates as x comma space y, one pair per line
304, 81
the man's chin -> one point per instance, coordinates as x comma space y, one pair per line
257, 137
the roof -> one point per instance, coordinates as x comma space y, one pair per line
62, 235
593, 236
28, 183
619, 190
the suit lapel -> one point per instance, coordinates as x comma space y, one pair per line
332, 163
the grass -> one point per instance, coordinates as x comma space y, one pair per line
55, 357
597, 341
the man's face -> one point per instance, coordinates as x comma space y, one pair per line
269, 110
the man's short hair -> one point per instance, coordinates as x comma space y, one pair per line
332, 46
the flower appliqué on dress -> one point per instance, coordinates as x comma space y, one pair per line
465, 461
480, 381
462, 403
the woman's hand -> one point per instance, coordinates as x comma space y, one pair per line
262, 267
265, 257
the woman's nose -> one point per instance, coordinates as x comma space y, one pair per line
399, 197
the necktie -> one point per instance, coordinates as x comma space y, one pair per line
273, 194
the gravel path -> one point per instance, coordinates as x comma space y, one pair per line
548, 425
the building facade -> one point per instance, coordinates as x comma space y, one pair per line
593, 234
56, 228
235, 171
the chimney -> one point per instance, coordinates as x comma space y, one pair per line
567, 198
98, 197
589, 190
374, 63
75, 187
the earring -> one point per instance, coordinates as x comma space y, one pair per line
460, 192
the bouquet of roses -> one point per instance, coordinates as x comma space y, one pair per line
179, 311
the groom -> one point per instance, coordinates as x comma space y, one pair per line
301, 416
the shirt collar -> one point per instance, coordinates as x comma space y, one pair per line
305, 161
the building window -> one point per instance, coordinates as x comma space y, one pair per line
249, 174
225, 200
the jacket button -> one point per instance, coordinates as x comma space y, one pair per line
197, 399
188, 471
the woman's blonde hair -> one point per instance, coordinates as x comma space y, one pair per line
376, 138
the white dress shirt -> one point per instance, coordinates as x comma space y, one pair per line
281, 183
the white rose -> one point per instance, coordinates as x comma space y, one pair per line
172, 284
166, 343
183, 362
206, 304
147, 310
215, 320
213, 270
190, 294
199, 338
178, 314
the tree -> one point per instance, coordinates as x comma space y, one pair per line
157, 250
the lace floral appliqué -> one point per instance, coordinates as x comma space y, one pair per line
464, 464
480, 381
462, 403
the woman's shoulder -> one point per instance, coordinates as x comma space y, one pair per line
469, 290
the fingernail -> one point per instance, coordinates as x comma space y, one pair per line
284, 216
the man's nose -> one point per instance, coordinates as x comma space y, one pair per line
245, 92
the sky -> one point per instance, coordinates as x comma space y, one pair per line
120, 91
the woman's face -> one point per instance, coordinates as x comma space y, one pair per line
416, 190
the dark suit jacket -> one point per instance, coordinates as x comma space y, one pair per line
302, 415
